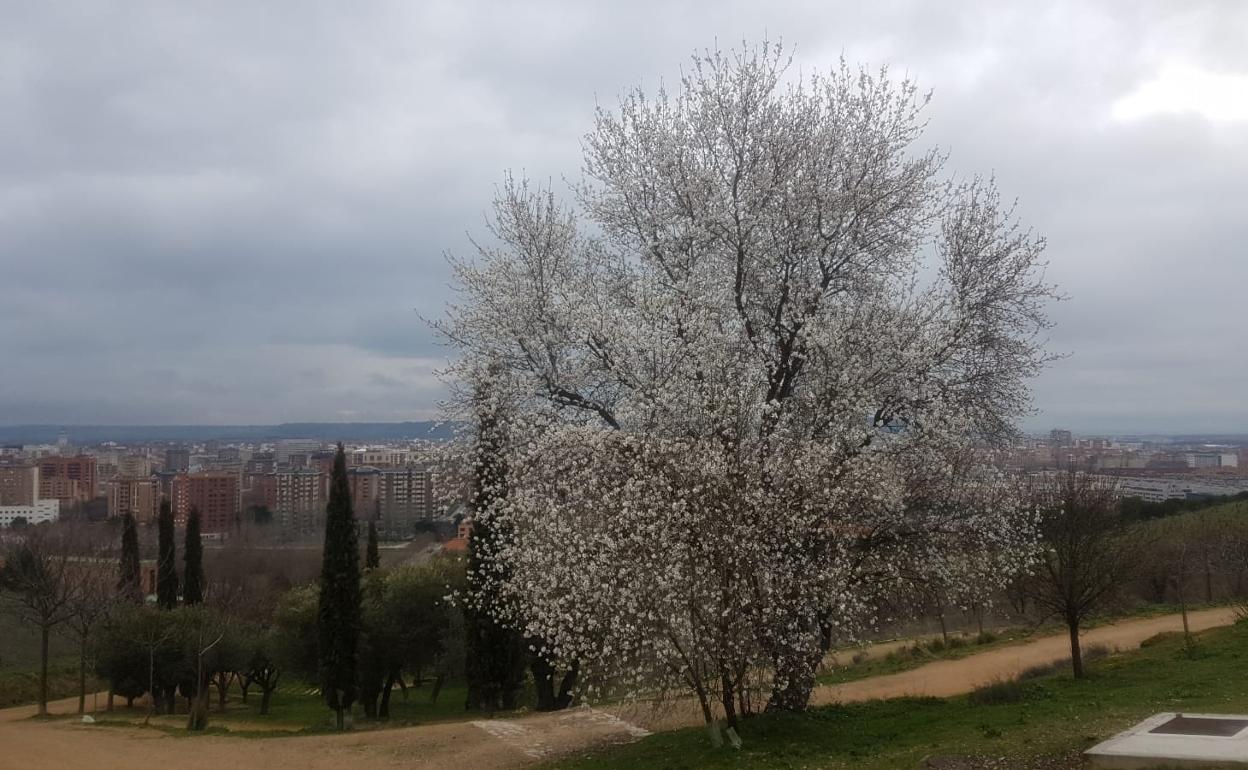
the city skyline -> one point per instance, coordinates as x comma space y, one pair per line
214, 222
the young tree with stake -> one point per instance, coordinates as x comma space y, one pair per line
1086, 552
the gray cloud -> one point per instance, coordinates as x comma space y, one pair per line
237, 212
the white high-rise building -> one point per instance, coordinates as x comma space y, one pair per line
38, 513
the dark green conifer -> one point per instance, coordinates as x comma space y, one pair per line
130, 573
372, 559
494, 653
166, 559
193, 555
338, 613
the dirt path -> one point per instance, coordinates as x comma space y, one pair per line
954, 677
499, 744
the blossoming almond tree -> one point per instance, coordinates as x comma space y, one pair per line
743, 369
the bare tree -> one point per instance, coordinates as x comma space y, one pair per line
1086, 555
93, 589
38, 588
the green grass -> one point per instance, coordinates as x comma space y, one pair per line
19, 664
19, 646
1051, 716
18, 688
296, 708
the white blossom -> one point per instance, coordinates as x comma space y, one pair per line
744, 369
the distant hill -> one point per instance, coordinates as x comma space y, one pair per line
326, 431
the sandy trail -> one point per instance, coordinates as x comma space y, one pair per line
502, 744
943, 678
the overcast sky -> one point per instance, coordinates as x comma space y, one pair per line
237, 213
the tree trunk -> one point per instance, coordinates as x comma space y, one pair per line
151, 683
338, 718
383, 710
266, 694
44, 632
437, 688
1076, 655
728, 699
1187, 631
795, 679
705, 704
82, 675
110, 700
223, 691
1181, 595
566, 686
543, 682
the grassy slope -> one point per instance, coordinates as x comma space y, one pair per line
19, 664
1056, 716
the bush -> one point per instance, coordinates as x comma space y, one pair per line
1043, 670
1163, 637
915, 650
985, 637
998, 692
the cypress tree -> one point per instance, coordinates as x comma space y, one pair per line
193, 554
494, 653
338, 613
166, 559
372, 559
130, 574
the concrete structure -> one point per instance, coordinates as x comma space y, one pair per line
134, 466
177, 460
214, 495
383, 457
137, 496
399, 497
68, 479
37, 513
1211, 459
1156, 490
296, 497
1176, 740
260, 463
295, 446
19, 484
